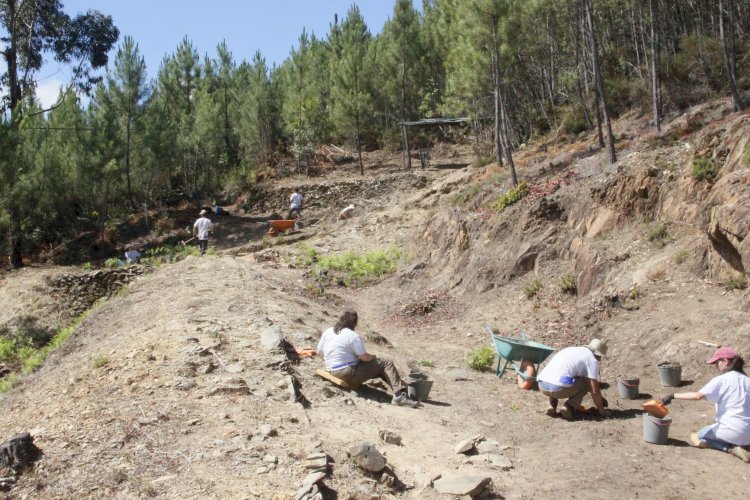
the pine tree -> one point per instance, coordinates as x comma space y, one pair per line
352, 101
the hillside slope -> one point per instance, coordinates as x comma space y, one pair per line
167, 389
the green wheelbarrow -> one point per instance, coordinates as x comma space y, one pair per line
516, 350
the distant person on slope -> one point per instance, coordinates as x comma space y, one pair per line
572, 373
201, 230
132, 256
296, 201
346, 357
730, 390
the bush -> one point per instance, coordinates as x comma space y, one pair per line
532, 288
568, 284
426, 363
514, 195
481, 359
361, 267
573, 121
681, 257
658, 235
735, 282
705, 169
100, 361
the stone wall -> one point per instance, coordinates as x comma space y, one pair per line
79, 291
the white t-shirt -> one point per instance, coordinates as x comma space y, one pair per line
203, 225
296, 200
340, 350
568, 364
731, 393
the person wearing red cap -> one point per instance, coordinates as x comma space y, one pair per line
730, 390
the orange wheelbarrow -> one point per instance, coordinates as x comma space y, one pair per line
279, 226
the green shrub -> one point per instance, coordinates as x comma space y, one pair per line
705, 169
735, 282
100, 361
662, 140
746, 156
514, 195
360, 267
481, 358
426, 363
86, 266
681, 256
112, 263
658, 235
8, 382
568, 284
573, 121
532, 288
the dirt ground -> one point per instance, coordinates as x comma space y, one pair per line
165, 389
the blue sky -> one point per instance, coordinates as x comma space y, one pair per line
270, 26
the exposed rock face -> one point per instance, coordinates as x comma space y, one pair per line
19, 451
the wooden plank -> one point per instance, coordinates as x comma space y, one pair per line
332, 378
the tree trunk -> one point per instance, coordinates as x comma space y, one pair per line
501, 128
655, 82
407, 149
729, 55
127, 161
600, 82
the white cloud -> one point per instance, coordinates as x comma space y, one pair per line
48, 91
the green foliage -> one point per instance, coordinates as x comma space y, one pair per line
158, 255
100, 361
658, 234
426, 363
568, 284
705, 169
746, 156
532, 288
362, 267
8, 382
111, 263
573, 120
86, 266
738, 282
662, 140
306, 255
681, 256
514, 195
481, 359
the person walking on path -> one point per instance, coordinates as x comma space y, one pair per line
572, 373
296, 201
201, 230
730, 391
346, 357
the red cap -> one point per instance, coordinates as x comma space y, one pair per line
722, 353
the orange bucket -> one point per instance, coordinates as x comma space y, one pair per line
655, 408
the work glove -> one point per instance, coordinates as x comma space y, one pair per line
667, 399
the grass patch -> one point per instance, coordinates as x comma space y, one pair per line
100, 361
705, 169
514, 195
426, 363
532, 288
358, 268
481, 359
568, 284
658, 234
738, 282
681, 256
